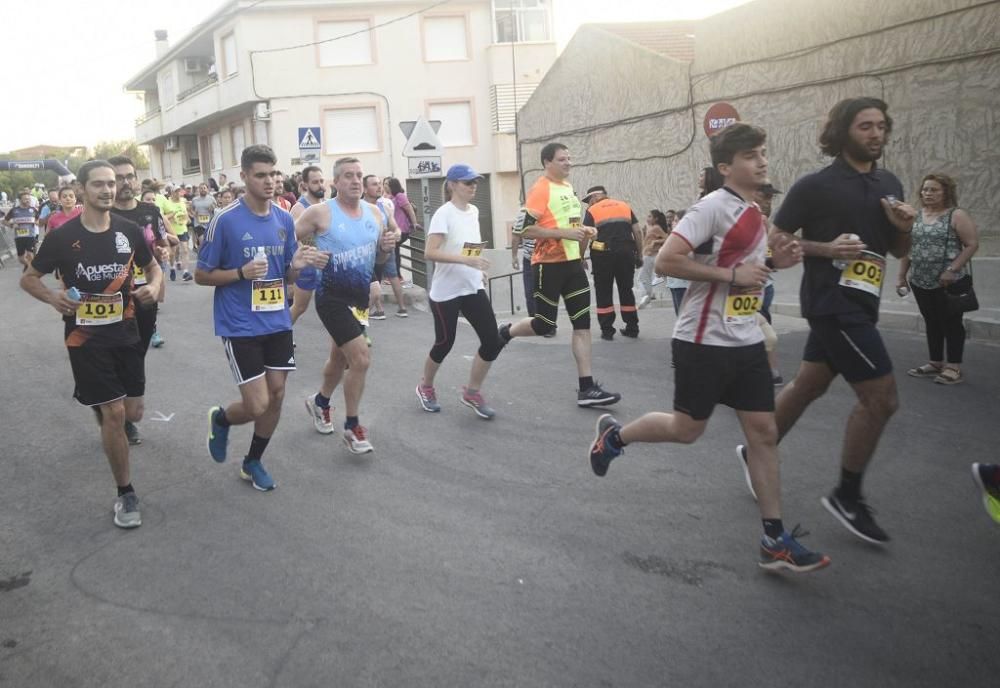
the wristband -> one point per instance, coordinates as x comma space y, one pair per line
239, 273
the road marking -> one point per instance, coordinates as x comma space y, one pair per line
162, 418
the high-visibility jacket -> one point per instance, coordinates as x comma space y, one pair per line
613, 220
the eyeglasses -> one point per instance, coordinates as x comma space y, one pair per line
469, 182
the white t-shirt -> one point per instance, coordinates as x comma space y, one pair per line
724, 230
461, 230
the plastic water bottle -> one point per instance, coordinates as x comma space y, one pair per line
839, 263
73, 293
902, 291
260, 257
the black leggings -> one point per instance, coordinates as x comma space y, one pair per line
478, 310
941, 326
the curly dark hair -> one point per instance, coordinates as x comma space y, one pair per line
950, 199
833, 138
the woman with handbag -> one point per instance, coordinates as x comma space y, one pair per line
940, 274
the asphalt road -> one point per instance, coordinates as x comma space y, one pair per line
473, 553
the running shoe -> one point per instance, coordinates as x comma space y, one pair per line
402, 313
253, 471
991, 493
127, 511
657, 281
173, 275
218, 436
477, 404
633, 334
132, 433
601, 451
320, 416
357, 440
741, 454
608, 335
407, 284
156, 341
856, 516
644, 301
504, 333
786, 552
596, 396
187, 276
777, 380
428, 399
377, 315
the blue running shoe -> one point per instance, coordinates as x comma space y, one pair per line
218, 436
258, 477
787, 553
601, 451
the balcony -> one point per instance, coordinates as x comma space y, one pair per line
148, 126
193, 104
529, 64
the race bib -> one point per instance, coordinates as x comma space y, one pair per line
267, 295
743, 303
472, 249
361, 315
203, 220
138, 276
864, 274
575, 222
100, 309
22, 231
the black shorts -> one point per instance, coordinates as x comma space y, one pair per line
198, 231
339, 320
850, 345
568, 280
182, 237
250, 357
145, 320
106, 374
25, 244
737, 376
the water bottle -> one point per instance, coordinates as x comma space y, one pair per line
839, 263
260, 258
73, 293
902, 291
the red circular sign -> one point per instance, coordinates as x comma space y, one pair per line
718, 117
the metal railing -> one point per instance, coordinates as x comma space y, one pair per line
510, 283
200, 86
145, 117
413, 253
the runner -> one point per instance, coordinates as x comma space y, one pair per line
851, 214
95, 253
46, 209
305, 285
614, 258
23, 218
717, 346
763, 198
249, 254
203, 205
455, 245
353, 234
387, 270
175, 215
68, 209
552, 216
987, 477
147, 216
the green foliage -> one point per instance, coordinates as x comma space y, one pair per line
107, 149
12, 182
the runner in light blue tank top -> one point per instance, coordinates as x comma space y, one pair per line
353, 245
308, 276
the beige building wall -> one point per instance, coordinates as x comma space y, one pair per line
939, 72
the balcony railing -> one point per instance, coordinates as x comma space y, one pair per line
505, 101
200, 86
145, 117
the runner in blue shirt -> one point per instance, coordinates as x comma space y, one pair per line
305, 285
249, 255
353, 233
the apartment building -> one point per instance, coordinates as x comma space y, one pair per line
258, 71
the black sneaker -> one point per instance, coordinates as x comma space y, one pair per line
631, 334
601, 451
596, 396
856, 516
504, 333
607, 335
132, 433
777, 380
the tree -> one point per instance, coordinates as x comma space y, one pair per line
107, 149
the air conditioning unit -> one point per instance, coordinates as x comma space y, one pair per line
172, 143
193, 65
261, 113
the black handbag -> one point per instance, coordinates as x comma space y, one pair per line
960, 295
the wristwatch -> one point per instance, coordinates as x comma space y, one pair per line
952, 270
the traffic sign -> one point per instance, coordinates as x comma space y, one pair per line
309, 138
421, 138
718, 117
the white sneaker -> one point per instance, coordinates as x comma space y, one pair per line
643, 302
357, 440
320, 416
657, 281
127, 511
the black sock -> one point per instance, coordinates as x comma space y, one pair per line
773, 528
220, 418
850, 485
125, 489
615, 439
321, 401
351, 423
257, 446
586, 383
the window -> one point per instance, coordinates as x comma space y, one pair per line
456, 123
520, 20
445, 39
239, 137
259, 133
215, 143
352, 47
351, 130
167, 89
230, 63
190, 162
166, 170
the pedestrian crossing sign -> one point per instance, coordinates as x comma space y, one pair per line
309, 138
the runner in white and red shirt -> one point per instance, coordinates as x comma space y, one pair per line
718, 348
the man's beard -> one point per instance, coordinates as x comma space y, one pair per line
860, 152
318, 196
124, 195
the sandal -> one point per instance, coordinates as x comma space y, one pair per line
926, 370
949, 376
